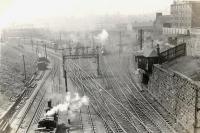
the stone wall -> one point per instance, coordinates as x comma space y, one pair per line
193, 46
176, 93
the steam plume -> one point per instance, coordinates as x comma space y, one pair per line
103, 36
39, 55
70, 105
74, 38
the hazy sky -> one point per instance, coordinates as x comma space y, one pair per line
26, 10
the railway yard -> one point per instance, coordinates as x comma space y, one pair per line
116, 102
99, 66
98, 88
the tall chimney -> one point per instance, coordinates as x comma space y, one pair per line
152, 43
158, 50
158, 14
49, 104
140, 37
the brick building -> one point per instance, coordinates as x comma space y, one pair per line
162, 21
185, 24
185, 14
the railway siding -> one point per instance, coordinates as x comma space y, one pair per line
19, 119
114, 108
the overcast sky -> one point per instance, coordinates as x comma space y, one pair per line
23, 10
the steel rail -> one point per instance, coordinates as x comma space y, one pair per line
96, 83
149, 107
122, 115
31, 103
105, 110
146, 120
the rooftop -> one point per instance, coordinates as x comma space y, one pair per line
150, 51
187, 65
186, 1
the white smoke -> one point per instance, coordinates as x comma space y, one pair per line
39, 55
2, 44
103, 36
71, 105
73, 38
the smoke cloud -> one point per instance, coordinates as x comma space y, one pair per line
39, 55
71, 104
2, 44
103, 36
73, 38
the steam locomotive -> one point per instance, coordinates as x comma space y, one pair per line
48, 123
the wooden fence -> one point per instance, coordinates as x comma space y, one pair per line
146, 63
173, 53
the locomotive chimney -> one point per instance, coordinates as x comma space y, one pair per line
49, 104
158, 50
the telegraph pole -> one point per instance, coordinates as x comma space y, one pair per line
120, 42
98, 67
45, 48
70, 50
63, 64
65, 75
64, 71
31, 41
60, 39
37, 50
19, 42
93, 44
24, 67
140, 37
196, 113
87, 51
24, 40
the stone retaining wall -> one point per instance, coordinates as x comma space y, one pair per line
176, 93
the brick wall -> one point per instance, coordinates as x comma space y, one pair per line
176, 93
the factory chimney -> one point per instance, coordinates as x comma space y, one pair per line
158, 49
140, 37
49, 104
158, 53
158, 14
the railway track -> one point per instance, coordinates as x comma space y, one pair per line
56, 77
108, 123
35, 108
123, 89
103, 109
88, 120
168, 117
32, 112
138, 100
123, 117
155, 122
124, 97
86, 117
14, 110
